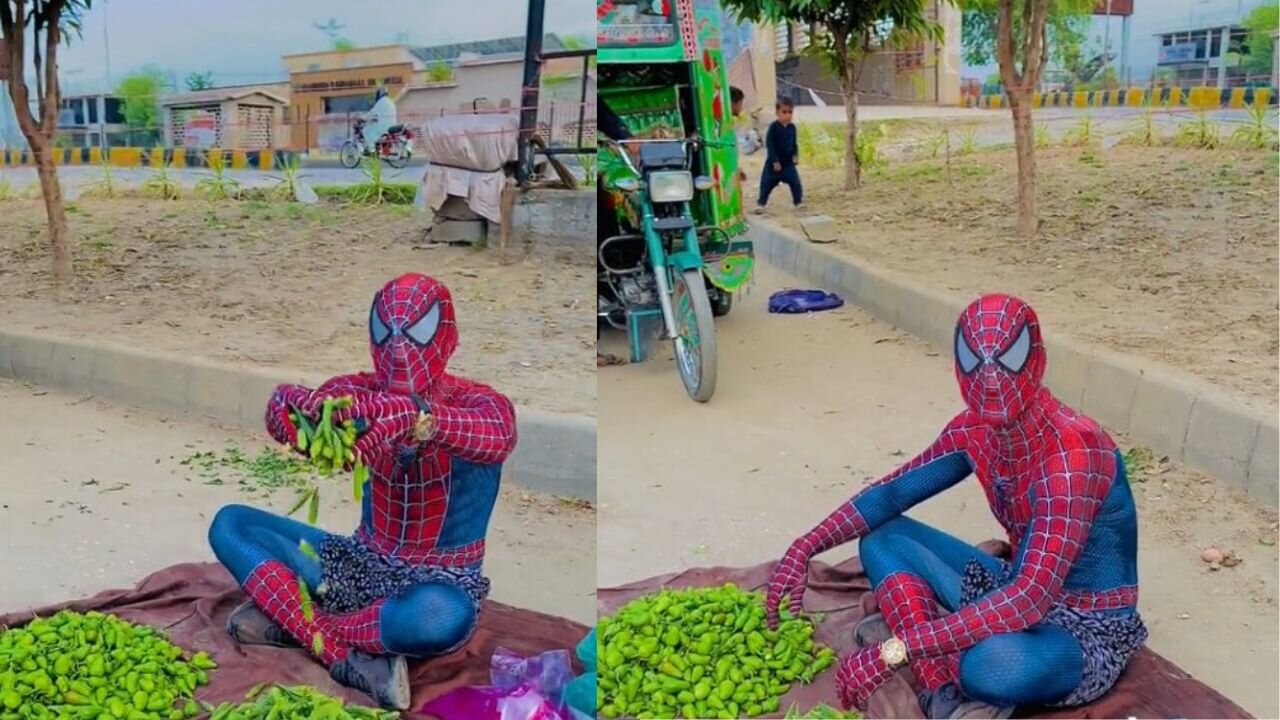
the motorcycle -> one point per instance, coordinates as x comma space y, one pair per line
656, 266
395, 146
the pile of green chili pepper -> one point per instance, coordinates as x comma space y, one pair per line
89, 666
702, 653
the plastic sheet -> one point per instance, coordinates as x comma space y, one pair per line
523, 688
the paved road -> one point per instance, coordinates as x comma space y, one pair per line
74, 176
93, 496
807, 408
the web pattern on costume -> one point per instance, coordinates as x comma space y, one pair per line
1048, 474
425, 506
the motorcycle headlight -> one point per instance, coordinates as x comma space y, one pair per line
671, 186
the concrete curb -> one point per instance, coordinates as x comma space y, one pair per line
556, 453
1171, 412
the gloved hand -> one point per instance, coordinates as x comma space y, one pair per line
860, 674
789, 580
389, 421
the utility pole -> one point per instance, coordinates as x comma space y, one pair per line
529, 91
101, 100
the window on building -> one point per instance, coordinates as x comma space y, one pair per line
114, 111
312, 67
1215, 45
348, 104
93, 111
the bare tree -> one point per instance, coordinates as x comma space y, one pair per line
45, 22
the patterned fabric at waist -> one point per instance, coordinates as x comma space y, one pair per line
460, 556
355, 576
1114, 599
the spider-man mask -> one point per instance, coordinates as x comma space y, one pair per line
412, 333
999, 357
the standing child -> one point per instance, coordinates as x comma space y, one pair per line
783, 156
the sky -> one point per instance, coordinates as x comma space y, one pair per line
1151, 17
241, 41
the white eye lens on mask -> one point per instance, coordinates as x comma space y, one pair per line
422, 331
965, 358
1015, 358
378, 330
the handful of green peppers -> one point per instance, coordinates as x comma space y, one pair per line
88, 666
702, 653
329, 448
294, 702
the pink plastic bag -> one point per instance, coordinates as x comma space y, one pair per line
523, 689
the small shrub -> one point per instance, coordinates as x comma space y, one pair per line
6, 190
968, 142
219, 185
868, 147
161, 183
820, 148
1084, 133
1201, 133
1144, 130
288, 182
1043, 138
105, 185
933, 145
1259, 131
588, 162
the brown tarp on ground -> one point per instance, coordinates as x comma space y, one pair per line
1152, 687
192, 601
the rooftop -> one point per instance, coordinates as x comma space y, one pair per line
500, 46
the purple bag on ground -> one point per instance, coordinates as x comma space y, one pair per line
523, 689
796, 301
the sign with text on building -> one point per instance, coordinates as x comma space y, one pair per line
199, 130
347, 84
1178, 53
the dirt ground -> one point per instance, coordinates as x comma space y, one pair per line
1162, 252
95, 497
800, 422
264, 284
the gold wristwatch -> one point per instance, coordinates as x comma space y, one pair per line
424, 428
893, 653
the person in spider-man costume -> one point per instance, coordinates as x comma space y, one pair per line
409, 581
1056, 625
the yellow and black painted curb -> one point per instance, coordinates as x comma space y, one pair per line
156, 157
1200, 98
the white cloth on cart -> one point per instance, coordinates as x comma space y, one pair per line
465, 155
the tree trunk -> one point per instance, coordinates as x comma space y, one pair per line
852, 168
1024, 142
59, 236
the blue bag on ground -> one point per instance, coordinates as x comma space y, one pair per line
796, 301
580, 693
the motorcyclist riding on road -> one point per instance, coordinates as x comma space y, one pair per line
380, 118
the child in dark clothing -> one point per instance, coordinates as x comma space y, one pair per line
783, 157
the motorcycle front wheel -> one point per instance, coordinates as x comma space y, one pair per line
695, 341
399, 155
349, 155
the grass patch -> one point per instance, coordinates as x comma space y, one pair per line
392, 193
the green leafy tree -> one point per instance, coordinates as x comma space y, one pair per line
1023, 48
1261, 22
845, 33
35, 29
1066, 29
139, 94
439, 72
199, 81
343, 45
